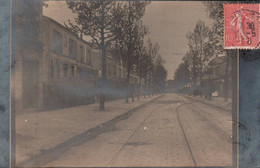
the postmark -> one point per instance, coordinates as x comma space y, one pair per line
241, 26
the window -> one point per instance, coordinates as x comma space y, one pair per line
81, 54
115, 70
86, 55
52, 69
65, 41
89, 57
58, 68
65, 70
72, 70
79, 72
57, 42
72, 48
83, 72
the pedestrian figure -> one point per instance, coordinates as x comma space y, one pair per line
239, 21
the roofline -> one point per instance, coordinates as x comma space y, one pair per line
78, 38
66, 29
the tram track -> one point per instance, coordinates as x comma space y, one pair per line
47, 156
134, 132
184, 134
212, 125
218, 108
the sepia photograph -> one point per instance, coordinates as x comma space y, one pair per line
105, 83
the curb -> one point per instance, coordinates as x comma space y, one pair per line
52, 154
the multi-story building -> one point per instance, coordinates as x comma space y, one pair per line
116, 75
68, 73
55, 68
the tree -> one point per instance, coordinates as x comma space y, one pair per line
159, 74
191, 59
182, 75
155, 59
146, 63
96, 19
130, 34
200, 51
143, 66
215, 10
142, 63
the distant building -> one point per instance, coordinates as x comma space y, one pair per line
213, 79
216, 77
170, 86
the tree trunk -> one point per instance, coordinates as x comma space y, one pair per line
127, 82
139, 87
103, 51
149, 85
209, 89
132, 93
145, 83
194, 87
200, 84
200, 77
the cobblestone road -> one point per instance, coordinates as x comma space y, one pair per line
171, 131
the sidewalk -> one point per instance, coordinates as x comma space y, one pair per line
40, 131
215, 101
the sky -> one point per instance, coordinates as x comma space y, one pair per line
168, 23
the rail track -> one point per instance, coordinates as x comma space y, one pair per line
184, 134
134, 131
210, 123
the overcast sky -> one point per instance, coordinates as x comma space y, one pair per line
168, 22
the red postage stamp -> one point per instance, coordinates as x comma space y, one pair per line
241, 26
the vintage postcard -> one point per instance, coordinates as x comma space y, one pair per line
127, 83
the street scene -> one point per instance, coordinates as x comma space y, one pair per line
168, 130
121, 84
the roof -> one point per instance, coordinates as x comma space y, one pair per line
97, 51
64, 28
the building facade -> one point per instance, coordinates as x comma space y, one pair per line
72, 69
214, 81
68, 72
27, 52
58, 69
